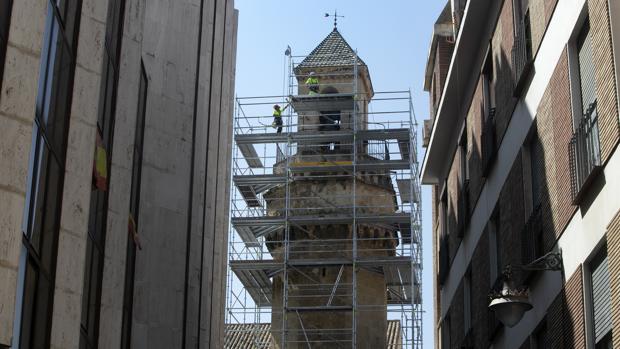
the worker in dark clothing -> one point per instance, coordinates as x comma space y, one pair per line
312, 83
277, 117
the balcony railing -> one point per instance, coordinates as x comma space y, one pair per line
488, 142
463, 209
585, 153
522, 59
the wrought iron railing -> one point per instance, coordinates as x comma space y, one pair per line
522, 55
463, 209
585, 153
488, 142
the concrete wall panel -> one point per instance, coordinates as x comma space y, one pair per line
17, 107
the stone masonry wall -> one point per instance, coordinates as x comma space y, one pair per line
17, 109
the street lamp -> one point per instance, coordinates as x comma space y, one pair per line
511, 303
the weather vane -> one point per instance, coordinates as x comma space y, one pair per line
336, 16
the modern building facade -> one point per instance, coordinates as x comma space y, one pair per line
115, 147
522, 155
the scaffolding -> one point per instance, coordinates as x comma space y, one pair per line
325, 214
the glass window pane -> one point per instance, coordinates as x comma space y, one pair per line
51, 218
42, 158
67, 9
41, 316
30, 284
87, 273
93, 304
59, 92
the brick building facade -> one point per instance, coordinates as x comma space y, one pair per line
522, 159
115, 148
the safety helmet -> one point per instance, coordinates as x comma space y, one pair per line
276, 106
312, 73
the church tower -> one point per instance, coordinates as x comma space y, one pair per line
335, 215
330, 297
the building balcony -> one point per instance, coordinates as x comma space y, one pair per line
585, 154
522, 56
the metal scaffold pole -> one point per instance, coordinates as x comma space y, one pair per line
354, 198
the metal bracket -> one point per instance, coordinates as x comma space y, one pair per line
550, 261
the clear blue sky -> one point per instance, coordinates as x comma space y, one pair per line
391, 36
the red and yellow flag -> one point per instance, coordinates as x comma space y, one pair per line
100, 165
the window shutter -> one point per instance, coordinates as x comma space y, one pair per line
586, 68
601, 298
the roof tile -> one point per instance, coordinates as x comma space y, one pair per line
332, 51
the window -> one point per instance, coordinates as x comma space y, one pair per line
464, 164
585, 154
587, 83
463, 181
522, 50
445, 333
599, 307
467, 314
494, 247
46, 174
488, 92
537, 171
488, 113
533, 171
435, 95
134, 210
533, 164
522, 24
93, 271
538, 340
5, 22
444, 253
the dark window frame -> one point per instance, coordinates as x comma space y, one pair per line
5, 23
584, 147
134, 209
46, 172
97, 225
468, 311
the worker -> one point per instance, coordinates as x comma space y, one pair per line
277, 117
312, 83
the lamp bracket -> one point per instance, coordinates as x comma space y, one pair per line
550, 261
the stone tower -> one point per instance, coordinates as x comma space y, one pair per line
332, 292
